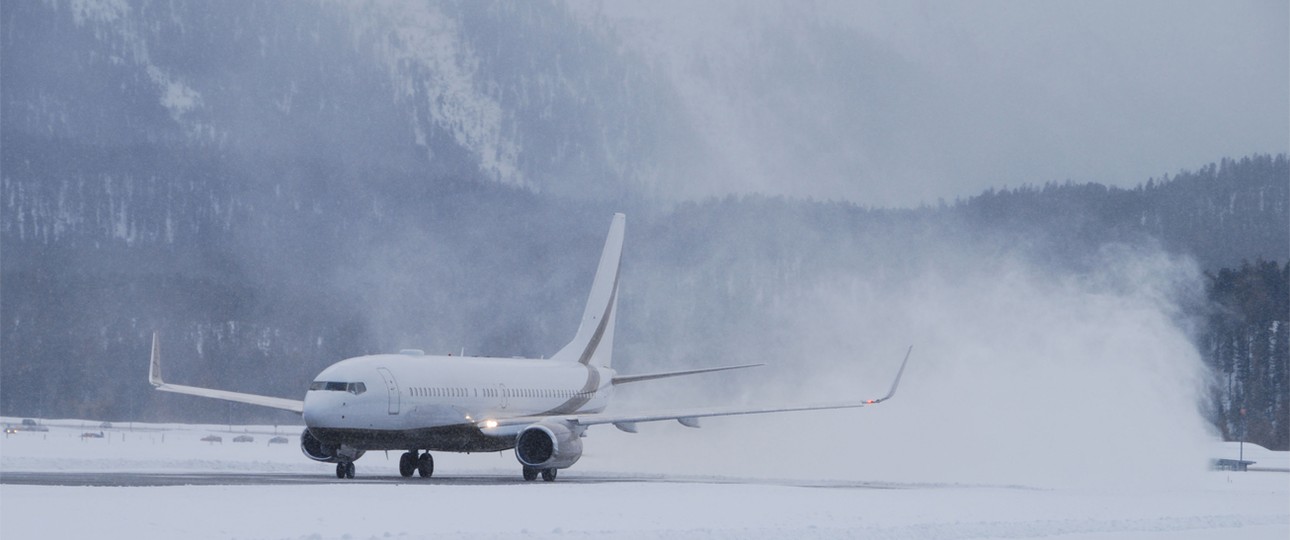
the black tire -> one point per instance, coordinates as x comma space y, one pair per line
349, 470
530, 474
425, 465
340, 470
407, 463
548, 475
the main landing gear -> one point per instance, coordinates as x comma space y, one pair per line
531, 474
409, 462
345, 469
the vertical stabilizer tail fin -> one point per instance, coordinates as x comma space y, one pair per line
594, 342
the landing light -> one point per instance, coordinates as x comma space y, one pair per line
490, 424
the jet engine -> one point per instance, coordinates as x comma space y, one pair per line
548, 445
320, 451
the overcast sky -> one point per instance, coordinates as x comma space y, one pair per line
901, 102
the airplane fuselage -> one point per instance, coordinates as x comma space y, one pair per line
410, 400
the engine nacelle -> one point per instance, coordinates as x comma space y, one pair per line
320, 451
548, 445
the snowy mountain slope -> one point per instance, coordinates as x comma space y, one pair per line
521, 94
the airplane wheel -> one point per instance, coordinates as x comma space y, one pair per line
548, 475
340, 470
425, 465
349, 470
530, 474
407, 462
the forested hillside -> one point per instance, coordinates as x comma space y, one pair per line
1223, 214
1245, 342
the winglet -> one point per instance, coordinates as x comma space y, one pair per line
896, 382
154, 367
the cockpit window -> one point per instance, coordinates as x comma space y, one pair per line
351, 387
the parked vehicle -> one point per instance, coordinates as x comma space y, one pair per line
31, 425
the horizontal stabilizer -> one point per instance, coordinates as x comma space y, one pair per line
624, 379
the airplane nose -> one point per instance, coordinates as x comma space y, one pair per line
326, 409
310, 413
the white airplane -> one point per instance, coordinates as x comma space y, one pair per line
420, 403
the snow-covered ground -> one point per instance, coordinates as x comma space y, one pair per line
715, 495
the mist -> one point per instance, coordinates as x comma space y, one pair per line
1021, 374
896, 103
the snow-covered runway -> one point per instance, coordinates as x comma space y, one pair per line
258, 490
158, 479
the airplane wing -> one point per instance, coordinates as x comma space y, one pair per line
154, 377
624, 379
688, 417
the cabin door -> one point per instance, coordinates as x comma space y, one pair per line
392, 387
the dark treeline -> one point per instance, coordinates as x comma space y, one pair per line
1245, 343
1222, 214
